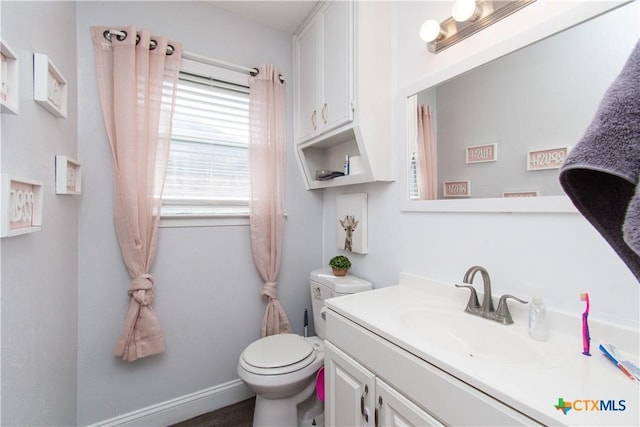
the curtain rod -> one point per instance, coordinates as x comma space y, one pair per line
212, 61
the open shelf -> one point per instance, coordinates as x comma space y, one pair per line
329, 154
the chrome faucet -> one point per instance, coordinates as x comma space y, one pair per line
487, 310
487, 302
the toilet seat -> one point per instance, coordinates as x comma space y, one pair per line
277, 355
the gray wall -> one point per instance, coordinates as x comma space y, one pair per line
39, 270
207, 289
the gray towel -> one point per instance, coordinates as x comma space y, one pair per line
600, 175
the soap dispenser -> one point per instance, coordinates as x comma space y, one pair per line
538, 329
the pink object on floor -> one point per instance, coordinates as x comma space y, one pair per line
320, 384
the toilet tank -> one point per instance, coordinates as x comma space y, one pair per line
325, 285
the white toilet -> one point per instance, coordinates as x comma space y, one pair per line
281, 369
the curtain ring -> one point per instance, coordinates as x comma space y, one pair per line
152, 44
120, 35
137, 39
254, 72
170, 49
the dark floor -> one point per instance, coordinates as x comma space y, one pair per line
236, 415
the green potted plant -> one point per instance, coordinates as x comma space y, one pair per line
340, 264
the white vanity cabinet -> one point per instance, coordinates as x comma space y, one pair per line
355, 397
349, 387
366, 374
342, 92
395, 410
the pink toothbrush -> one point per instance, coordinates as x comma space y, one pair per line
586, 338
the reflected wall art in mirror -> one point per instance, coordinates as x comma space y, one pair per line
504, 127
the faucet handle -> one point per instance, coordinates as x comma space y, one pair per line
502, 312
473, 305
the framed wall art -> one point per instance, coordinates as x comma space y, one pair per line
21, 206
550, 158
9, 85
49, 86
460, 188
522, 193
481, 153
352, 222
68, 176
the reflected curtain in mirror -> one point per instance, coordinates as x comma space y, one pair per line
426, 155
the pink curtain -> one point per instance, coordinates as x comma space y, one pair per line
266, 168
137, 76
426, 155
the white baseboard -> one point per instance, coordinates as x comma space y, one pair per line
184, 407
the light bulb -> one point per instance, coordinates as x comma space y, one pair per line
430, 30
465, 10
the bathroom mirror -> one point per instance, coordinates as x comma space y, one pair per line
503, 128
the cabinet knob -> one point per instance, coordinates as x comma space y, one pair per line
324, 113
313, 120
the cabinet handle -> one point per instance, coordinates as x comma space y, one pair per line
362, 409
324, 113
313, 120
377, 411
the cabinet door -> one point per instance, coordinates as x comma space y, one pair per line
307, 94
349, 390
337, 65
395, 410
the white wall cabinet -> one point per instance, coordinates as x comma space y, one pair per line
324, 50
355, 397
342, 93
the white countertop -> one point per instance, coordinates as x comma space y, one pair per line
531, 388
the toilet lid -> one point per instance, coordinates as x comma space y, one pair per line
276, 351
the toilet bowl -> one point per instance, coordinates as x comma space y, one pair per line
281, 369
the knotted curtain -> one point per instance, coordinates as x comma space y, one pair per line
137, 75
266, 206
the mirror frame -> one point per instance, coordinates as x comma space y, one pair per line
568, 15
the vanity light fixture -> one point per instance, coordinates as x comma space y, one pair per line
465, 10
431, 31
468, 17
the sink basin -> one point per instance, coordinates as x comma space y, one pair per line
474, 337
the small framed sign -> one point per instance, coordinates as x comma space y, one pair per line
524, 193
482, 153
456, 188
8, 79
49, 86
68, 176
21, 206
551, 158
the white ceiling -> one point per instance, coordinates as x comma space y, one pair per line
285, 15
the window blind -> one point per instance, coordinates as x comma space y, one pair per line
413, 178
207, 171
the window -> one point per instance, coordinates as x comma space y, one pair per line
207, 172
